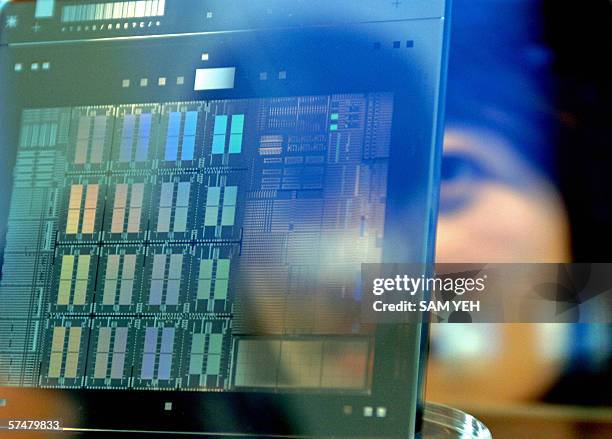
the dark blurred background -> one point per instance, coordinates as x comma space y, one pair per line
527, 177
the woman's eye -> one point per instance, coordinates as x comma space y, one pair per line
459, 167
461, 175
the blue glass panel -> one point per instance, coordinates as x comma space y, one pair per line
167, 340
150, 343
191, 122
165, 366
229, 196
188, 147
235, 144
171, 148
174, 124
144, 132
148, 362
220, 124
237, 124
218, 145
125, 153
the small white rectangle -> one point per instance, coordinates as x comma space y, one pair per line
44, 8
161, 8
214, 79
91, 12
117, 10
140, 9
131, 11
108, 11
72, 13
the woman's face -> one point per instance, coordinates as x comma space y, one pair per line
495, 207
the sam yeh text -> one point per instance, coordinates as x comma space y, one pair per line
427, 306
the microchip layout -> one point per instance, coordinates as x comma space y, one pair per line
193, 245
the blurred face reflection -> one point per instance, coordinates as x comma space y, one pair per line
495, 207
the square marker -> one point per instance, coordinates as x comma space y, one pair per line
168, 406
18, 67
46, 66
368, 412
205, 56
180, 80
144, 82
34, 66
282, 74
161, 81
125, 83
